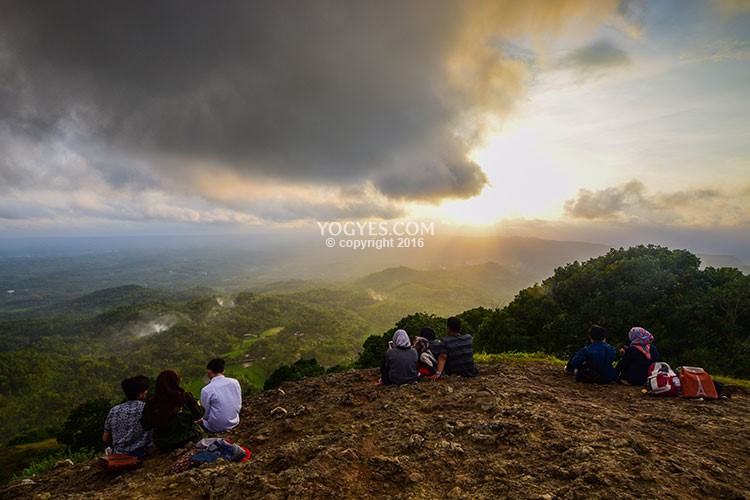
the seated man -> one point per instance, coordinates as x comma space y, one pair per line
593, 363
455, 353
123, 424
221, 399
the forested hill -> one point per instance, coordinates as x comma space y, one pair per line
518, 430
699, 317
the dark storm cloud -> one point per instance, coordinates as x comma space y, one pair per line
596, 56
457, 177
335, 92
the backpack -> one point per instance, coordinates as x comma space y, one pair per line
696, 383
662, 381
424, 369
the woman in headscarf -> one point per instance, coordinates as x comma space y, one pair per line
400, 364
172, 413
637, 357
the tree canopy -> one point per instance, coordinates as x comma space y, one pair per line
698, 317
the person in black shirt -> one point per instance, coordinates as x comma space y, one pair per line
637, 357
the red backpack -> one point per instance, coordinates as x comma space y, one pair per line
662, 381
697, 383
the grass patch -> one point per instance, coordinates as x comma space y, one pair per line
517, 357
242, 348
744, 385
15, 458
271, 332
251, 376
245, 344
193, 385
44, 464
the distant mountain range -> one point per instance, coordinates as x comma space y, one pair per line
40, 280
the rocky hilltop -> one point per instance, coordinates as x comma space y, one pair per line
521, 430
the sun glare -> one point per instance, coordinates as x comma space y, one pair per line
525, 181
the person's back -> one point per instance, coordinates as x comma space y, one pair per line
221, 399
123, 426
456, 352
593, 363
637, 357
172, 413
460, 352
400, 364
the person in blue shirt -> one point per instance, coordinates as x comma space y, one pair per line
593, 363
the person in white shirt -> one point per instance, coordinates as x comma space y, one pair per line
221, 399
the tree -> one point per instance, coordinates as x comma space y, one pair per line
299, 370
376, 345
698, 317
84, 426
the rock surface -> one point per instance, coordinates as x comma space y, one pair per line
517, 431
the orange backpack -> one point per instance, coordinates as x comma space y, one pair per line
696, 383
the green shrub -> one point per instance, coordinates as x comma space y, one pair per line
33, 436
84, 426
299, 370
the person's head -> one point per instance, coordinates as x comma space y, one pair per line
215, 367
421, 344
453, 325
640, 336
427, 333
401, 339
135, 387
167, 384
597, 333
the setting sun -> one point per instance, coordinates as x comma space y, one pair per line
525, 181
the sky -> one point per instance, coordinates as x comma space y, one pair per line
618, 122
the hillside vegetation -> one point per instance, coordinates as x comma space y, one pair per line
57, 362
698, 316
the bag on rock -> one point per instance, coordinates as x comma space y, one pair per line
696, 383
117, 461
662, 381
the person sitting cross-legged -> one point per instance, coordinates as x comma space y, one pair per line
221, 399
593, 363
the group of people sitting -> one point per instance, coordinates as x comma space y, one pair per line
172, 417
594, 364
427, 357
